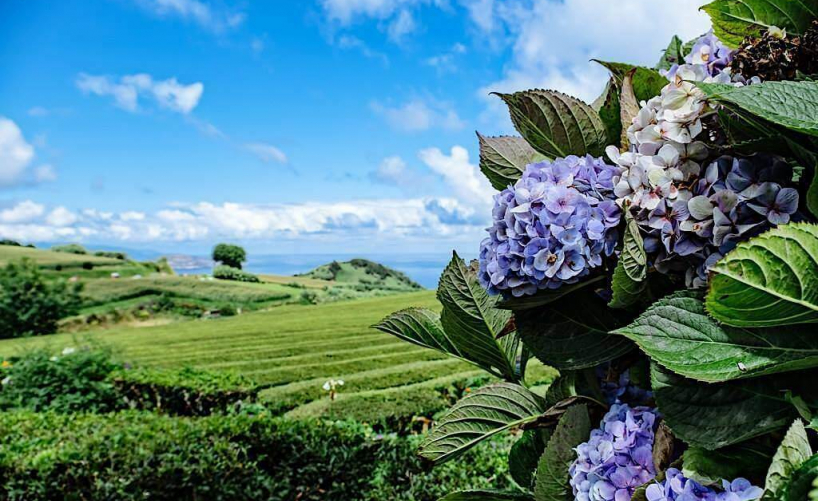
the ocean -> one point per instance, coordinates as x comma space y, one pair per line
423, 269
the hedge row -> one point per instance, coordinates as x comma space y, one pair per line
139, 455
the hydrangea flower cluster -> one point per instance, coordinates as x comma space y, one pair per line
552, 227
677, 487
621, 389
617, 458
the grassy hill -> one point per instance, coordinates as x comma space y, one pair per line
293, 350
364, 274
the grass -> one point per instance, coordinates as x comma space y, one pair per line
291, 351
52, 259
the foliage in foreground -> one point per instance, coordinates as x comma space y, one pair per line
676, 289
224, 272
134, 455
32, 305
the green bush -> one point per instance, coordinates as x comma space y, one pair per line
224, 272
70, 249
76, 380
229, 255
137, 455
183, 392
32, 305
112, 254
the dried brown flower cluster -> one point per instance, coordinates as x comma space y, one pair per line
774, 57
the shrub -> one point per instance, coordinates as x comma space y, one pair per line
31, 305
75, 381
112, 254
136, 455
228, 273
87, 265
12, 243
229, 255
70, 249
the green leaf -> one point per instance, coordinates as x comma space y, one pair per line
647, 83
812, 192
482, 414
525, 454
717, 415
474, 324
735, 19
802, 481
677, 333
769, 281
552, 472
503, 159
544, 297
573, 333
486, 496
630, 275
555, 124
747, 459
608, 107
791, 454
419, 326
793, 105
674, 54
628, 107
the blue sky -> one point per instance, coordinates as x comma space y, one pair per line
312, 126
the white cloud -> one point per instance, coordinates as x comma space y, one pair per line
15, 153
444, 63
22, 212
355, 43
132, 216
267, 152
392, 170
554, 41
45, 173
419, 115
402, 25
61, 216
196, 11
126, 91
462, 177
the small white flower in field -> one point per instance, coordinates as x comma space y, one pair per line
340, 382
6, 380
54, 359
331, 386
327, 386
68, 351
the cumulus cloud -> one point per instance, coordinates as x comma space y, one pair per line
392, 170
23, 212
126, 91
445, 62
16, 157
419, 115
201, 13
462, 177
350, 42
554, 42
266, 152
402, 25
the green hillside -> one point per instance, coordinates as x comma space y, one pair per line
293, 350
364, 274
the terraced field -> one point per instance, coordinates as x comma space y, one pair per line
292, 350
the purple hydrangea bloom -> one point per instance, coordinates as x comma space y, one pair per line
677, 487
552, 227
620, 389
617, 458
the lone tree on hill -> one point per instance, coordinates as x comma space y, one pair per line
229, 255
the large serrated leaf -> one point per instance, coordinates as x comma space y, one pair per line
609, 109
793, 452
735, 19
525, 454
628, 107
748, 460
486, 496
677, 333
419, 326
555, 124
503, 159
480, 415
793, 105
548, 296
769, 281
630, 275
647, 82
552, 480
721, 414
474, 324
674, 54
802, 482
573, 333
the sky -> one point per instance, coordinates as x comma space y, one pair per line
310, 127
